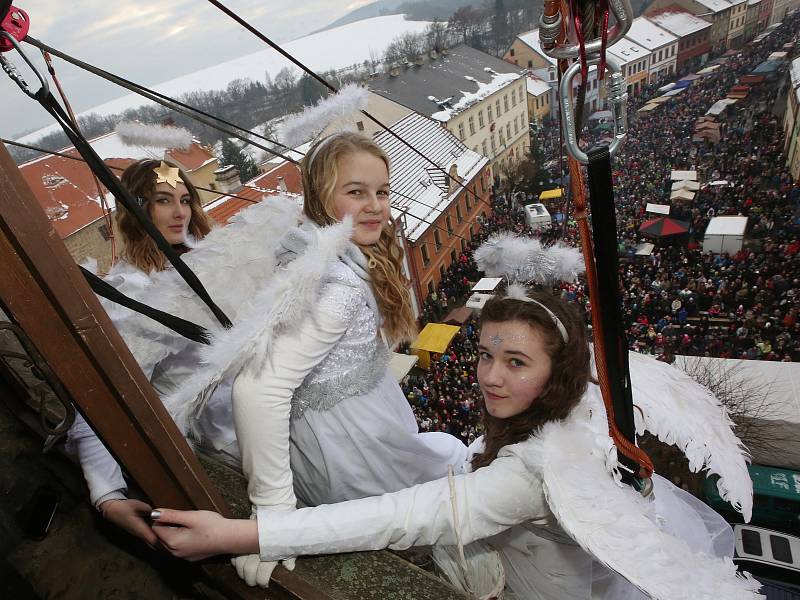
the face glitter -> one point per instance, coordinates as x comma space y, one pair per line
496, 340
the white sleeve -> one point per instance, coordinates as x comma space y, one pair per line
262, 400
489, 500
102, 473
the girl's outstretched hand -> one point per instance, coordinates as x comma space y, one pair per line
198, 534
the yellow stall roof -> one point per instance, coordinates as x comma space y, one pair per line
435, 337
550, 194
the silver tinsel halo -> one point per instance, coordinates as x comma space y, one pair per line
525, 260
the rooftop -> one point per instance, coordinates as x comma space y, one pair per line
717, 6
448, 84
627, 50
531, 39
420, 192
536, 86
679, 22
649, 35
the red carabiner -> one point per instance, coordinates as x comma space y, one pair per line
16, 24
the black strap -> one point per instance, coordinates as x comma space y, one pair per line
104, 174
181, 326
604, 233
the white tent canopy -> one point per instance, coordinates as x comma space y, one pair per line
774, 389
683, 175
724, 234
686, 184
401, 364
719, 106
682, 194
487, 284
645, 249
659, 209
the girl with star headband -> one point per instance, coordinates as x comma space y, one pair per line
172, 203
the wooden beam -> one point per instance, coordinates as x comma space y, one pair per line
43, 291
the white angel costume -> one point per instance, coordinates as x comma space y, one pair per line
230, 261
314, 391
565, 528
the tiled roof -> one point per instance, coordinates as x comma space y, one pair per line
450, 77
224, 207
646, 33
419, 190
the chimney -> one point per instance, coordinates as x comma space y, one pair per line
228, 179
282, 184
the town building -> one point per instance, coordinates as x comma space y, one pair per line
737, 20
694, 44
791, 121
663, 47
634, 61
751, 23
438, 216
716, 12
478, 98
538, 98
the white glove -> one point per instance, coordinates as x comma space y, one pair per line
254, 571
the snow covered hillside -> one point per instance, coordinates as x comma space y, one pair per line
331, 49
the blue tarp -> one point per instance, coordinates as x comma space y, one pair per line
683, 83
766, 68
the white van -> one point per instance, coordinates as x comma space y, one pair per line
766, 552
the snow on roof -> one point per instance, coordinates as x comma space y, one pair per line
444, 86
627, 50
420, 192
680, 23
649, 35
715, 5
536, 86
322, 51
498, 82
726, 226
531, 39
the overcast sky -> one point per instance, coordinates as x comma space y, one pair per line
148, 41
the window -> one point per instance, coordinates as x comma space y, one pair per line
453, 256
103, 229
437, 239
480, 119
530, 64
516, 126
461, 131
425, 258
508, 131
497, 107
459, 216
751, 542
463, 245
780, 548
511, 52
467, 200
472, 125
485, 150
513, 97
449, 222
536, 103
360, 125
505, 103
441, 272
494, 144
430, 287
489, 113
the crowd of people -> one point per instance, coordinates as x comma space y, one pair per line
677, 300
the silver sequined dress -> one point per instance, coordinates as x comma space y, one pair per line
353, 433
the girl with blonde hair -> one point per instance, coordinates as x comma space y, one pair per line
316, 392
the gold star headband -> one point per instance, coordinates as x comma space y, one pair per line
166, 174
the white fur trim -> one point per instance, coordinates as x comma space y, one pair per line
133, 133
307, 125
526, 260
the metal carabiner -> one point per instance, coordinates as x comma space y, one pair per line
617, 97
15, 75
550, 29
